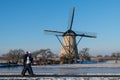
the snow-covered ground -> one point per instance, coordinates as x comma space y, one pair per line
61, 78
105, 65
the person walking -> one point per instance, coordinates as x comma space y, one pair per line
27, 61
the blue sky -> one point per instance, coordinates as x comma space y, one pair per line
22, 23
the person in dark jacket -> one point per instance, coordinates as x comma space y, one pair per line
27, 61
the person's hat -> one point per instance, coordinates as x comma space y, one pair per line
27, 52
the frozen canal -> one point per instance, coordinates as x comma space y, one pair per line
74, 69
102, 69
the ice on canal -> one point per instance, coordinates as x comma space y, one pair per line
67, 69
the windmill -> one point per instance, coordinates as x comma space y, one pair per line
69, 49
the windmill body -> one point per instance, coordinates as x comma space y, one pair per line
69, 44
69, 48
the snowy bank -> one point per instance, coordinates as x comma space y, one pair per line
113, 65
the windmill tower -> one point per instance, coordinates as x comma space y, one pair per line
69, 49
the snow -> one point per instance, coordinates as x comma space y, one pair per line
106, 65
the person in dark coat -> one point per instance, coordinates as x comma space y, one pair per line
27, 61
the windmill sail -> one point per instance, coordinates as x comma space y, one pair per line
84, 35
90, 35
53, 32
72, 17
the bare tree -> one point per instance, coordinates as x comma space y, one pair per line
84, 54
116, 55
43, 55
14, 56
